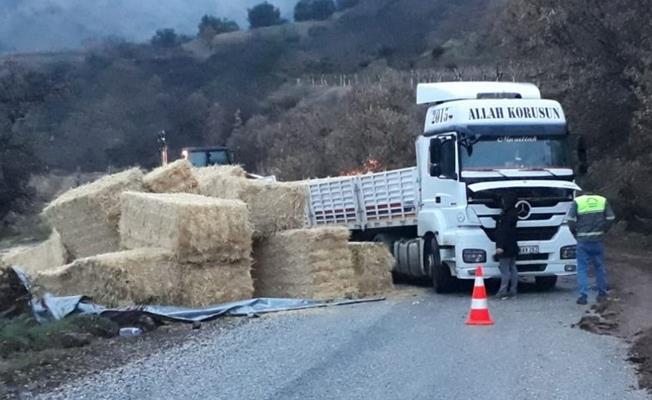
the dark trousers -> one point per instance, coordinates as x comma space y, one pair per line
591, 253
508, 275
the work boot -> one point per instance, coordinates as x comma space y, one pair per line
502, 296
602, 297
582, 300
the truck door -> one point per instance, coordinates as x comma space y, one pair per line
437, 159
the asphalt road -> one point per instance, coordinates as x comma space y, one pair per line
413, 346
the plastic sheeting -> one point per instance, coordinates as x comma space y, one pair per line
52, 307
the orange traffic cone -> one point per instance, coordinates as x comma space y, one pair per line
479, 314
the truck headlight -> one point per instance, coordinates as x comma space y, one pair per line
568, 252
474, 256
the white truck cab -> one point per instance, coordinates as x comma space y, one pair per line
480, 140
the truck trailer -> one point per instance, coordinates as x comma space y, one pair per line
438, 218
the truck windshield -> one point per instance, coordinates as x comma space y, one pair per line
517, 153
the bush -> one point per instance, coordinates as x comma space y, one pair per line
210, 26
344, 4
24, 334
264, 14
313, 10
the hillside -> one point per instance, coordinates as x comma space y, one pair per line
317, 98
121, 95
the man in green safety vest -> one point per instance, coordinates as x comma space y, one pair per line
589, 219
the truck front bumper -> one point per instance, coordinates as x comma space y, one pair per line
547, 262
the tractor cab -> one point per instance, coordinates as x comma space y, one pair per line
208, 156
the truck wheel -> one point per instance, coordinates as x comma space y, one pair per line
545, 282
442, 280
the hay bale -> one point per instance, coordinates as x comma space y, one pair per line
204, 285
195, 228
176, 177
31, 259
373, 264
147, 276
273, 206
305, 263
87, 217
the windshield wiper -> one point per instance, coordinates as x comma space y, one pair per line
488, 170
539, 169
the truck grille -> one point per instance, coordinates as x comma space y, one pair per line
528, 234
533, 257
531, 267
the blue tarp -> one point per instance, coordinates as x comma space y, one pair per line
51, 307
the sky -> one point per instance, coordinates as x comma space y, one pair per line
49, 25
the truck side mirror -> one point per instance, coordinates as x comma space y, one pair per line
582, 158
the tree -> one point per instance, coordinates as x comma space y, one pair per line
344, 4
313, 10
165, 38
264, 14
210, 26
19, 91
596, 61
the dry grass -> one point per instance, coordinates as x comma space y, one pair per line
176, 177
372, 263
305, 263
195, 228
273, 206
87, 217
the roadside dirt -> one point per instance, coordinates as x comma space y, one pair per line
627, 313
37, 372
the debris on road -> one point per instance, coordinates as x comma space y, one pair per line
305, 263
641, 355
372, 263
14, 296
87, 217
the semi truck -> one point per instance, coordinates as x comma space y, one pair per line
438, 218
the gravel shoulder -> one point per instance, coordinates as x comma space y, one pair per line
415, 345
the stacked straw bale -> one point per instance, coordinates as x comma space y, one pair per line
176, 177
87, 217
48, 254
147, 276
273, 206
372, 263
197, 229
305, 263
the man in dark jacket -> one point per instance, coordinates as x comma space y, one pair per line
507, 247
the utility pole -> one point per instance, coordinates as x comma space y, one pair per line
163, 147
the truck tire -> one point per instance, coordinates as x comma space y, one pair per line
442, 280
544, 283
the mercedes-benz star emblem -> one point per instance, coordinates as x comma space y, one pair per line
524, 209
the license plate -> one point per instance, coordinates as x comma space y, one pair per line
529, 249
